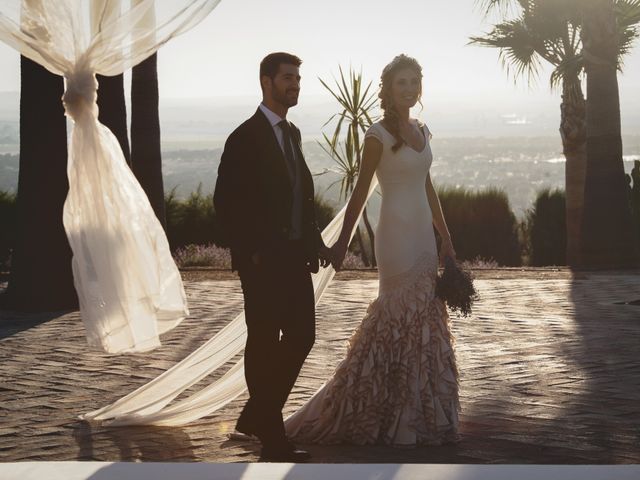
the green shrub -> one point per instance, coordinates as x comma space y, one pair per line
481, 224
546, 229
7, 227
191, 221
324, 211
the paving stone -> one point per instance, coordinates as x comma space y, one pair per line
549, 373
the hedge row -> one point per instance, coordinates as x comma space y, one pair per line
482, 225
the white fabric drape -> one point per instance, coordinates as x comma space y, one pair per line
148, 404
129, 287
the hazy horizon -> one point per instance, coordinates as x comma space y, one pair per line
208, 121
466, 89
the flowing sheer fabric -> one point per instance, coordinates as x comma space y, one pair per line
148, 404
129, 287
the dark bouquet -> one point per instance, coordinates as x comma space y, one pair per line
454, 286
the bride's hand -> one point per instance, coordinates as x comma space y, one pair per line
338, 252
447, 250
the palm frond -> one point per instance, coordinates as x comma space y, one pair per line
344, 91
628, 21
336, 132
569, 69
516, 48
330, 119
502, 7
357, 103
627, 13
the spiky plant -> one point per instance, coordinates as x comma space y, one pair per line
357, 103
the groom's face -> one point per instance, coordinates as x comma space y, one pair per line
284, 88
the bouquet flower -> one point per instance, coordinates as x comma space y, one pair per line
454, 286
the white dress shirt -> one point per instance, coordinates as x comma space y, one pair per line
296, 217
275, 119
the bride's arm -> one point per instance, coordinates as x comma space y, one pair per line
438, 220
370, 159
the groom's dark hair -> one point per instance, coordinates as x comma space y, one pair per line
271, 63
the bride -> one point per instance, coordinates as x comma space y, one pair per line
398, 384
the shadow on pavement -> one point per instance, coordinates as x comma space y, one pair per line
143, 443
13, 322
567, 388
606, 355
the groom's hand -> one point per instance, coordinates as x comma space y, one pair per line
325, 256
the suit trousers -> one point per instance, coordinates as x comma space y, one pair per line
280, 314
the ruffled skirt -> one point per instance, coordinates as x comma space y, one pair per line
398, 384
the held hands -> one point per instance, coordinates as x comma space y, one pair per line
326, 257
338, 252
334, 255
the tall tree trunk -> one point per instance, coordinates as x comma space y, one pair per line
41, 278
574, 144
113, 109
607, 238
146, 155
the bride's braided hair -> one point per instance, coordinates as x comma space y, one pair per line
390, 117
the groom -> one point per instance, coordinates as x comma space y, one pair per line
264, 201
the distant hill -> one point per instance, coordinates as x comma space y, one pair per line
212, 119
520, 166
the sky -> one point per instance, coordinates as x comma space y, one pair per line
220, 57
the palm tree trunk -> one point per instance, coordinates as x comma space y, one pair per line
146, 156
574, 142
41, 278
371, 235
607, 236
113, 110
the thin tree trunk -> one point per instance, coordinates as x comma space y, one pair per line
363, 251
371, 235
113, 109
41, 278
607, 236
145, 134
574, 142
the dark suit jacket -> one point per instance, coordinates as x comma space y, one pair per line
253, 196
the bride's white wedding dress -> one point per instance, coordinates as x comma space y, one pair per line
398, 384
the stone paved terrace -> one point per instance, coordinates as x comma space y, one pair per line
549, 365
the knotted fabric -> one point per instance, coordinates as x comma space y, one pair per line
129, 288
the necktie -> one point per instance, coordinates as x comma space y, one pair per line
288, 151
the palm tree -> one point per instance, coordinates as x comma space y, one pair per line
607, 225
41, 277
146, 156
356, 103
550, 31
113, 110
